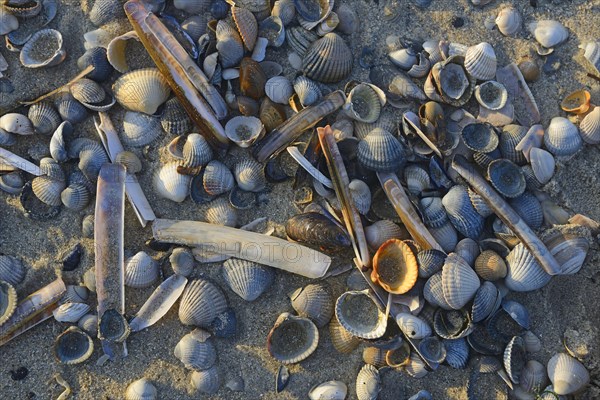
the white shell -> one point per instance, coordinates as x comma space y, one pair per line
533, 376
485, 92
542, 164
589, 128
140, 129
89, 324
32, 55
116, 51
459, 281
480, 61
16, 123
250, 176
567, 374
220, 212
141, 270
413, 327
196, 351
368, 383
562, 137
344, 313
260, 49
417, 179
244, 130
182, 261
48, 190
279, 89
142, 90
381, 231
548, 33
403, 58
308, 91
330, 390
509, 21
70, 312
361, 194
170, 184
142, 389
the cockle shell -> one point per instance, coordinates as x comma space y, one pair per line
342, 340
193, 6
279, 89
457, 352
328, 59
330, 390
434, 214
591, 52
589, 127
459, 281
206, 381
73, 346
96, 56
246, 25
567, 374
174, 118
285, 10
491, 95
196, 151
170, 184
432, 349
182, 261
461, 212
529, 208
468, 249
196, 351
244, 131
221, 212
89, 324
524, 272
300, 39
368, 383
403, 58
44, 49
87, 91
364, 103
69, 108
548, 33
486, 301
76, 196
433, 291
562, 138
141, 270
16, 123
8, 301
70, 312
510, 137
201, 302
142, 90
533, 376
307, 90
313, 301
514, 358
490, 266
416, 367
130, 161
229, 44
380, 151
48, 190
430, 262
480, 62
247, 279
509, 21
542, 164
360, 315
413, 327
417, 179
218, 178
140, 129
395, 267
44, 117
142, 389
104, 11
250, 175
381, 231
445, 235
8, 22
292, 339
506, 177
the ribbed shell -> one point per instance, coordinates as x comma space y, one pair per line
364, 103
69, 108
591, 52
461, 212
309, 92
141, 270
459, 282
44, 117
87, 91
380, 151
368, 383
45, 48
196, 151
140, 129
221, 212
533, 376
457, 352
142, 389
196, 351
142, 90
200, 303
342, 340
70, 312
514, 358
8, 301
509, 139
413, 327
524, 272
246, 25
509, 21
567, 374
75, 196
485, 302
12, 270
361, 195
468, 249
381, 231
417, 179
374, 356
89, 324
350, 305
548, 33
446, 236
174, 118
561, 138
491, 95
430, 262
433, 291
480, 61
432, 349
229, 44
75, 294
542, 164
529, 208
506, 177
249, 175
182, 261
246, 278
73, 346
490, 266
589, 128
207, 381
434, 214
104, 11
328, 59
313, 301
96, 56
130, 161
170, 184
48, 190
292, 339
244, 130
300, 39
218, 179
531, 342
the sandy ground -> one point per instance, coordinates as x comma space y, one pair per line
567, 302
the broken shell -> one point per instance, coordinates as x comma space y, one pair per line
8, 22
292, 339
591, 52
380, 151
480, 137
279, 89
397, 357
141, 270
533, 376
514, 358
196, 351
561, 138
16, 123
104, 11
116, 52
524, 272
221, 212
8, 301
548, 33
200, 303
567, 374
480, 62
395, 267
140, 129
170, 184
364, 103
73, 346
43, 49
207, 381
330, 390
459, 281
381, 231
247, 279
218, 178
421, 68
313, 301
285, 10
246, 25
589, 127
273, 30
244, 131
142, 389
70, 312
360, 315
328, 59
342, 340
452, 324
490, 266
506, 177
509, 21
577, 102
89, 324
413, 327
368, 383
142, 90
229, 44
491, 95
250, 175
44, 117
308, 91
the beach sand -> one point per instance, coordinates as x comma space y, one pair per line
566, 302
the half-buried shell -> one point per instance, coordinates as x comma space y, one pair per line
313, 301
201, 302
246, 278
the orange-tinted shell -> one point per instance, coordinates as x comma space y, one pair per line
577, 102
252, 79
395, 267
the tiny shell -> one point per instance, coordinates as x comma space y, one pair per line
548, 33
292, 339
142, 90
142, 389
170, 184
201, 302
368, 383
490, 266
480, 61
141, 270
509, 21
43, 49
313, 301
247, 279
207, 381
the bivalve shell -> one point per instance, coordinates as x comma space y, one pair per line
533, 376
96, 56
364, 103
430, 262
313, 301
221, 212
89, 324
380, 151
140, 129
480, 137
141, 270
8, 301
434, 214
182, 261
44, 117
395, 267
506, 177
459, 281
514, 358
246, 278
207, 381
69, 108
73, 346
548, 33
48, 190
142, 389
562, 138
45, 48
70, 312
218, 179
368, 383
328, 59
591, 52
279, 89
104, 11
413, 327
480, 62
491, 95
244, 130
567, 374
509, 21
142, 90
361, 195
486, 302
250, 175
381, 231
490, 266
16, 123
201, 302
292, 339
308, 91
330, 390
461, 212
196, 351
524, 272
342, 340
229, 44
457, 352
76, 196
285, 10
589, 128
196, 151
170, 184
360, 315
542, 164
246, 25
273, 30
174, 119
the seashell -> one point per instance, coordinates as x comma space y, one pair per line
285, 10
451, 82
207, 381
529, 208
459, 281
12, 183
218, 178
8, 301
141, 270
421, 68
313, 301
220, 212
368, 383
252, 79
76, 294
70, 312
196, 151
395, 267
87, 91
561, 138
196, 351
364, 103
490, 266
246, 25
342, 340
140, 129
509, 21
182, 261
272, 29
247, 106
524, 273
244, 130
113, 326
292, 339
260, 49
491, 95
452, 324
104, 11
432, 349
533, 377
300, 39
514, 358
8, 22
416, 367
430, 262
45, 48
96, 56
192, 6
130, 161
75, 196
381, 231
548, 33
349, 21
397, 357
577, 102
73, 346
16, 123
510, 137
433, 292
142, 389
7, 138
200, 303
250, 175
542, 164
567, 374
48, 190
403, 58
507, 178
279, 89
417, 179
116, 51
591, 52
195, 26
170, 184
529, 69
480, 62
247, 279
457, 352
141, 90
330, 390
468, 249
328, 59
44, 117
461, 212
360, 315
380, 151
89, 324
434, 214
569, 249
445, 235
486, 302
58, 142
174, 118
413, 327
69, 108
318, 230
531, 342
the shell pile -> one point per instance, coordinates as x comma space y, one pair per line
425, 105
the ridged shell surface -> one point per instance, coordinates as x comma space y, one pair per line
313, 301
461, 212
309, 92
196, 351
529, 208
524, 272
561, 138
12, 270
485, 301
368, 383
207, 381
589, 128
200, 303
247, 279
218, 179
44, 117
140, 129
490, 266
357, 312
229, 44
509, 139
246, 25
8, 301
480, 61
328, 59
70, 312
142, 389
221, 212
380, 151
141, 270
48, 190
342, 340
170, 184
459, 282
142, 90
381, 231
509, 21
567, 374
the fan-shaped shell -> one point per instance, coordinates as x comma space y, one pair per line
196, 151
562, 137
142, 90
506, 177
330, 390
413, 327
104, 11
246, 278
89, 323
97, 57
285, 10
430, 262
468, 249
221, 212
207, 381
44, 117
45, 48
368, 383
416, 367
514, 358
246, 25
548, 33
218, 178
16, 123
313, 301
591, 52
529, 208
509, 21
524, 272
480, 137
48, 190
364, 103
342, 340
8, 301
381, 231
480, 61
292, 339
249, 175
567, 374
417, 179
461, 212
130, 161
300, 39
459, 282
434, 214
485, 302
141, 270
174, 118
533, 376
589, 128
73, 346
358, 313
445, 235
395, 267
374, 356
279, 89
201, 302
328, 59
70, 312
361, 195
142, 389
491, 95
170, 184
380, 151
76, 294
432, 349
433, 291
457, 352
509, 139
196, 351
229, 44
542, 164
75, 196
490, 266
568, 249
140, 129
87, 91
308, 91
244, 131
58, 142
69, 108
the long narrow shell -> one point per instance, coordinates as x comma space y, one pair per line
141, 270
292, 339
200, 303
328, 59
368, 383
142, 90
247, 279
170, 184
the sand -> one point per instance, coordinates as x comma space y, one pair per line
569, 302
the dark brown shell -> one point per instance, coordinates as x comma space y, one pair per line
252, 79
316, 230
271, 114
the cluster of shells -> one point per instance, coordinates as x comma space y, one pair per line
454, 302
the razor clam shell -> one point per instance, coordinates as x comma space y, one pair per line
589, 127
142, 90
247, 279
207, 381
459, 282
562, 138
34, 57
289, 347
313, 301
141, 270
480, 62
142, 389
368, 383
548, 33
328, 59
196, 351
200, 303
524, 272
170, 184
567, 374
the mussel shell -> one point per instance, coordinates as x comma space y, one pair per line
292, 339
247, 279
317, 230
252, 79
73, 346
